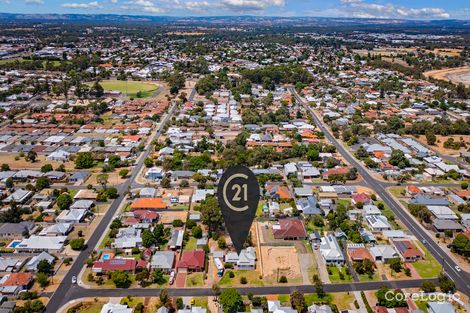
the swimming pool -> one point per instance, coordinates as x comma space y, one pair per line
105, 256
14, 243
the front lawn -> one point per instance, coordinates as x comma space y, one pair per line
252, 278
429, 267
335, 275
195, 280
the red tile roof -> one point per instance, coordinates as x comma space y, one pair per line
18, 279
193, 260
290, 228
116, 265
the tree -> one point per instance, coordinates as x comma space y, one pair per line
77, 244
5, 167
211, 215
196, 231
64, 201
446, 284
221, 243
84, 160
389, 299
163, 296
461, 245
430, 137
428, 286
165, 182
318, 286
46, 168
42, 279
123, 173
102, 179
398, 158
395, 264
157, 276
230, 300
297, 301
42, 183
44, 267
148, 239
464, 185
120, 279
148, 162
9, 183
31, 156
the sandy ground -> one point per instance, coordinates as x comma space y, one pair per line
282, 259
9, 158
113, 178
439, 146
169, 217
455, 75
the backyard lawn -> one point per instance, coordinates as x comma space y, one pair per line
191, 244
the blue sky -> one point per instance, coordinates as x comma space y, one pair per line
406, 9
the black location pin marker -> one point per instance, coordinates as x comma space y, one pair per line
238, 195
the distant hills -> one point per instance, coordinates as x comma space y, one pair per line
233, 20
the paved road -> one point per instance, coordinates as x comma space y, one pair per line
461, 279
63, 293
77, 292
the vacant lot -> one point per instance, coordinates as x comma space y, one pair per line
281, 261
456, 75
439, 145
130, 88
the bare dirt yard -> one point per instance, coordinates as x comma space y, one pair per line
439, 145
280, 261
456, 75
169, 217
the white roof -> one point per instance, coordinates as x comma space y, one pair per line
115, 308
42, 243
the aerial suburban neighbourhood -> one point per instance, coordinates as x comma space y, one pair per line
116, 131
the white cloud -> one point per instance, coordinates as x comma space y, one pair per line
89, 5
196, 6
359, 8
146, 6
34, 1
114, 1
251, 5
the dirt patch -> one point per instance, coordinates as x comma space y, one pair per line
456, 75
169, 217
280, 261
439, 145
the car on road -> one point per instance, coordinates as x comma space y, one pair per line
457, 268
74, 280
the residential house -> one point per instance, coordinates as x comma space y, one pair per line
358, 252
74, 216
314, 308
127, 238
331, 251
362, 197
408, 251
309, 206
378, 222
176, 239
79, 177
163, 260
383, 253
34, 261
245, 261
148, 204
126, 265
42, 243
289, 229
14, 283
440, 307
16, 230
116, 308
192, 261
59, 229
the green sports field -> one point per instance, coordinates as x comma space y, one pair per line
131, 88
